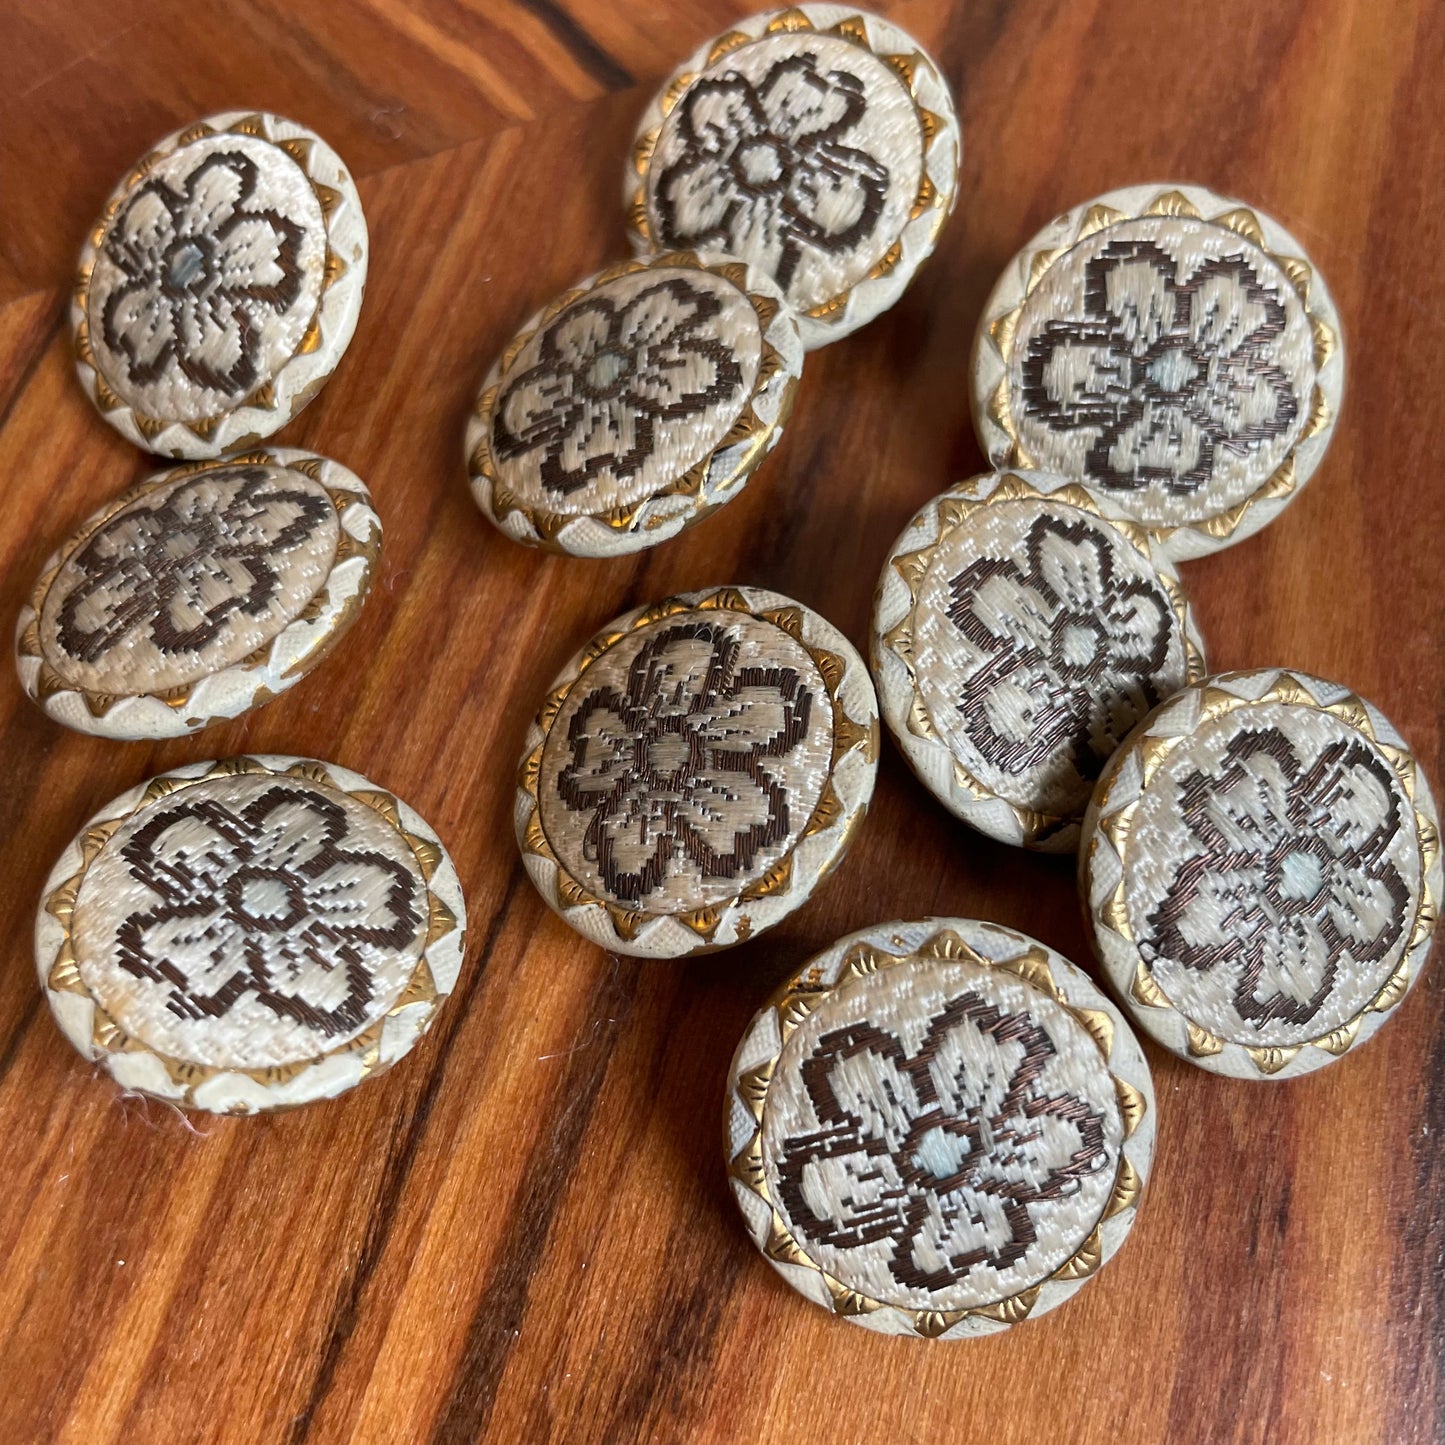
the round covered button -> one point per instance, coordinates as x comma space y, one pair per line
1262, 868
818, 143
250, 934
1018, 635
634, 405
1172, 350
697, 769
939, 1128
220, 286
202, 592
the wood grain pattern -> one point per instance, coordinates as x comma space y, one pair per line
524, 1232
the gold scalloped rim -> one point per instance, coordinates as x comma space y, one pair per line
805, 992
1144, 989
950, 510
641, 516
107, 1037
1244, 223
264, 397
48, 682
848, 734
905, 64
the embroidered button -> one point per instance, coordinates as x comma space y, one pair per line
939, 1128
1017, 636
220, 286
204, 591
1262, 866
819, 144
634, 405
250, 934
1171, 349
696, 771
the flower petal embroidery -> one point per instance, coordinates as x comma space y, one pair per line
727, 816
203, 271
1071, 651
177, 570
674, 772
143, 326
215, 190
718, 111
266, 903
764, 169
802, 105
1167, 371
1272, 896
941, 1153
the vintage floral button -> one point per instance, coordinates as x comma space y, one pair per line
204, 591
250, 934
939, 1128
697, 769
220, 286
1172, 350
1262, 867
1017, 636
634, 405
818, 143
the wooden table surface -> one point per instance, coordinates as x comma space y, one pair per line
524, 1232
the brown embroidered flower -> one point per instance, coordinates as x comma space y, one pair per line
1072, 651
944, 1155
176, 571
607, 375
1165, 372
266, 901
675, 769
202, 271
763, 173
1291, 878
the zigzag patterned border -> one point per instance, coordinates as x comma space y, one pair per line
835, 817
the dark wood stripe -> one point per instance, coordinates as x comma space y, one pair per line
17, 1034
603, 67
31, 363
401, 1156
495, 1326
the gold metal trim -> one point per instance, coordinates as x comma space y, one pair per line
803, 993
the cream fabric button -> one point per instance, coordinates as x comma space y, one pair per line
250, 934
204, 591
817, 143
220, 286
695, 772
634, 405
939, 1128
1262, 867
1174, 351
1017, 636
